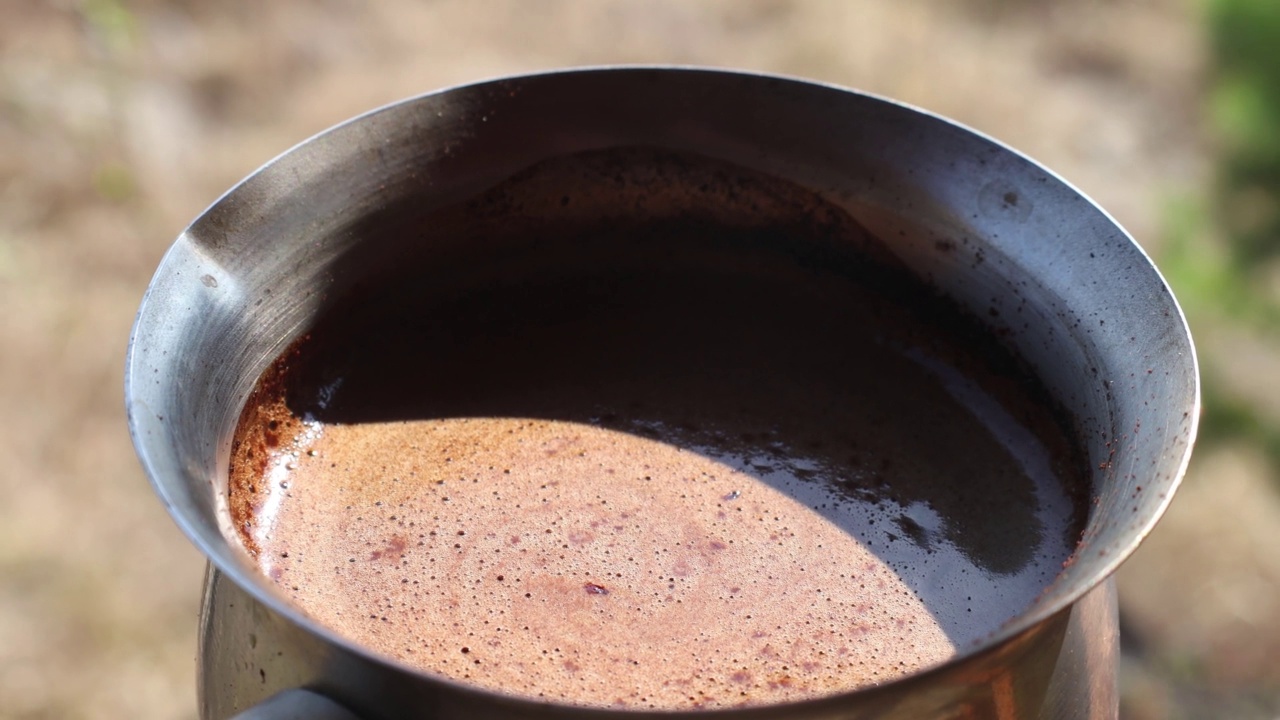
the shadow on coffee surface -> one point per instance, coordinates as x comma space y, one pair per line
643, 429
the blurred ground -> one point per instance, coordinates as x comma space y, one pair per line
120, 121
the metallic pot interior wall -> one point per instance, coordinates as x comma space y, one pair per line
1039, 263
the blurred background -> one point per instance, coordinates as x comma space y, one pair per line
121, 120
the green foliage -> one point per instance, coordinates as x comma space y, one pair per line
1213, 279
1245, 110
113, 24
1225, 417
114, 182
1219, 248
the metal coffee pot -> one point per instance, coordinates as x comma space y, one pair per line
1002, 236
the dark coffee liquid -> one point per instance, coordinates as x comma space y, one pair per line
647, 431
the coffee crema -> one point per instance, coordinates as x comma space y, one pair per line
644, 430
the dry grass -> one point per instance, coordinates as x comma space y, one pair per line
120, 122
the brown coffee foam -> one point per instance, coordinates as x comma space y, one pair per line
683, 332
265, 424
582, 564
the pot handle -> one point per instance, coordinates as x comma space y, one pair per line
297, 704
